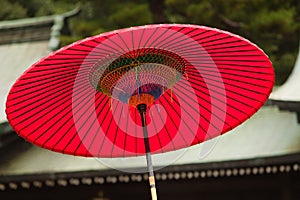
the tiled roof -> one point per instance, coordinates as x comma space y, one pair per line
287, 96
290, 90
15, 59
23, 42
263, 135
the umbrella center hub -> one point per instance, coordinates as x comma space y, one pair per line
138, 76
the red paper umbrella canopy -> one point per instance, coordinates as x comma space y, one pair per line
198, 83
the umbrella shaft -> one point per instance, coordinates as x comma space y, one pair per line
147, 146
142, 110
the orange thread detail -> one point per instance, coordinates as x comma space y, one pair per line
137, 99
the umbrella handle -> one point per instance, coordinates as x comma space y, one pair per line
142, 108
152, 187
151, 176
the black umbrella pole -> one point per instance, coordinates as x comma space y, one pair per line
142, 108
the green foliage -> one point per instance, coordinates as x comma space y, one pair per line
130, 14
175, 10
11, 10
272, 25
200, 13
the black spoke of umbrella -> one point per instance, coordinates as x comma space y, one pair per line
43, 82
87, 119
157, 37
213, 34
53, 106
204, 107
193, 75
71, 53
222, 50
179, 84
112, 51
106, 131
57, 65
76, 59
66, 85
63, 83
132, 42
221, 67
40, 66
191, 117
75, 48
213, 40
222, 43
196, 81
152, 35
136, 134
208, 53
188, 33
252, 57
187, 42
117, 44
116, 133
95, 132
121, 49
85, 51
81, 68
56, 71
198, 60
53, 73
50, 78
52, 93
167, 131
101, 122
63, 125
225, 95
140, 40
197, 57
96, 51
156, 131
171, 118
196, 111
60, 139
82, 56
230, 48
74, 135
53, 116
168, 42
203, 69
171, 40
126, 132
165, 44
191, 46
257, 67
125, 43
186, 124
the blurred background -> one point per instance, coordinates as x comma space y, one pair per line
260, 159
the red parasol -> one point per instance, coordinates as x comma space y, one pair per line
141, 90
